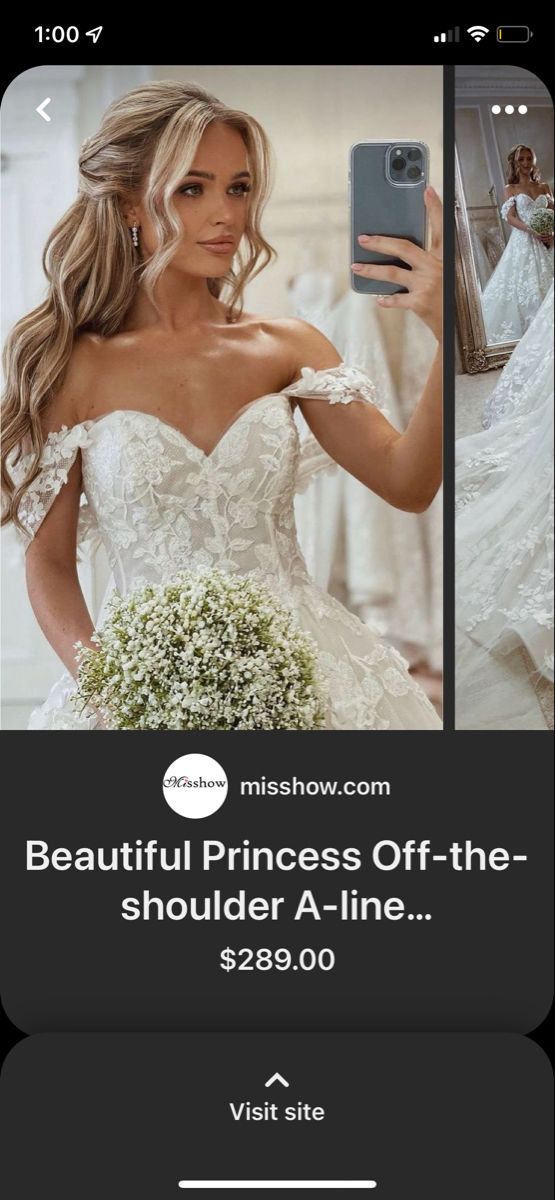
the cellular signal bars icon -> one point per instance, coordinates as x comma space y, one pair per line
452, 35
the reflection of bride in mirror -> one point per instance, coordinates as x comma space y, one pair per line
524, 272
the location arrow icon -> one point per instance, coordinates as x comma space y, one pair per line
42, 107
277, 1078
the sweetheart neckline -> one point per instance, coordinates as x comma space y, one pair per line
168, 424
515, 195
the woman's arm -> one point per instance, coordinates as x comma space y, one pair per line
403, 468
51, 573
512, 217
51, 557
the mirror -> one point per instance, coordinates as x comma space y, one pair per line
503, 208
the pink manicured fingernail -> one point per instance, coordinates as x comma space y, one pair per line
356, 266
364, 237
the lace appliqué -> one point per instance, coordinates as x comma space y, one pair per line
506, 207
504, 532
58, 456
527, 375
338, 385
530, 556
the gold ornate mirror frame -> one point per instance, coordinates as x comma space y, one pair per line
476, 354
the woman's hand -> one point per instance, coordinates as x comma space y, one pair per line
546, 238
425, 278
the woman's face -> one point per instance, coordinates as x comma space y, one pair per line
212, 204
525, 162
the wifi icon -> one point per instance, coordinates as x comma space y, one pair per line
477, 32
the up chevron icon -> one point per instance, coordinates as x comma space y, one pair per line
277, 1078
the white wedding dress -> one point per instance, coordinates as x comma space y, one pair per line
504, 521
521, 279
159, 505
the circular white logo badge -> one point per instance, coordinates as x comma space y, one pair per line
195, 786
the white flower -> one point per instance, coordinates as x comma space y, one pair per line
210, 650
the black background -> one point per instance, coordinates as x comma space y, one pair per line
171, 36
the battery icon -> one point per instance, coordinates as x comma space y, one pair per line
513, 33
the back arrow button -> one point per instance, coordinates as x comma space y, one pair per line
42, 107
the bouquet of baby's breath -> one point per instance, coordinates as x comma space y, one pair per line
205, 651
542, 221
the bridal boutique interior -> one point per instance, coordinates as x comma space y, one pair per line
504, 281
383, 564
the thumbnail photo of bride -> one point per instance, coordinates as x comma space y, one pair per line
504, 401
220, 464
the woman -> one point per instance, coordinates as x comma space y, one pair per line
171, 408
504, 526
524, 272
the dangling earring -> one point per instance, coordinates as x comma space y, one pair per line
135, 235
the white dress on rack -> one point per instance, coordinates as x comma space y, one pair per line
504, 520
160, 505
521, 279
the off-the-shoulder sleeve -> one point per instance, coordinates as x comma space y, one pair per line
505, 208
58, 456
337, 385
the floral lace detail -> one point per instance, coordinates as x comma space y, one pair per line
504, 497
529, 562
486, 463
506, 207
526, 375
58, 456
161, 505
338, 385
521, 279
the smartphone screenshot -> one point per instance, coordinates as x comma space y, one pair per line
277, 507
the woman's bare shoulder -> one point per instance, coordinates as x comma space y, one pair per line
304, 345
510, 189
67, 406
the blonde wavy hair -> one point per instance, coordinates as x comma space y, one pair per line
513, 174
149, 135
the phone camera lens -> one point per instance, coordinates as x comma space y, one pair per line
414, 173
414, 155
398, 164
